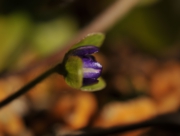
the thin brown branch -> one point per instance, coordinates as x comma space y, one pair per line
101, 24
108, 18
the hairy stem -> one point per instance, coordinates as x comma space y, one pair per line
58, 68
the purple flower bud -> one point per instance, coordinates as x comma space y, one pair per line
91, 68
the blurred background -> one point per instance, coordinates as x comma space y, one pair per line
140, 58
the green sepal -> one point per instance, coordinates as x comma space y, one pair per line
95, 39
74, 71
95, 87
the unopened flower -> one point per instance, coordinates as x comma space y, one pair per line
91, 68
79, 67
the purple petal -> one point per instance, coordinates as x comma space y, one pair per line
85, 50
91, 73
89, 81
91, 68
90, 62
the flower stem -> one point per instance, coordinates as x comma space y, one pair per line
58, 68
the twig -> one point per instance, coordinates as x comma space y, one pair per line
168, 122
101, 24
108, 18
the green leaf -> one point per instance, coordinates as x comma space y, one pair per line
74, 72
144, 26
96, 87
95, 39
52, 35
13, 31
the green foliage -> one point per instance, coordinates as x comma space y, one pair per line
144, 26
147, 2
13, 30
52, 35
